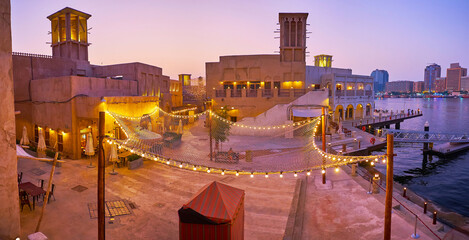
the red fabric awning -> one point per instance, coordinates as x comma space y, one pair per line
217, 202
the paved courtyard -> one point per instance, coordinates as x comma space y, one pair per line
157, 191
340, 210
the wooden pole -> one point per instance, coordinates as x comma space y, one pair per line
210, 130
101, 198
323, 130
49, 186
323, 121
389, 182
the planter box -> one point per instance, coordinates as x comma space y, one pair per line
135, 164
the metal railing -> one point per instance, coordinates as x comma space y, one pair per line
299, 92
251, 93
220, 93
236, 93
284, 92
267, 93
426, 137
30, 55
367, 176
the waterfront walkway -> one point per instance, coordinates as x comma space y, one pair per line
340, 210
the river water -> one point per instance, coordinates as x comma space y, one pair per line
443, 181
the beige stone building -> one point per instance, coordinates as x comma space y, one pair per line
253, 84
63, 93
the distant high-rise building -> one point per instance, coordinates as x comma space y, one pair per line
400, 86
453, 77
380, 78
465, 83
419, 86
440, 84
431, 73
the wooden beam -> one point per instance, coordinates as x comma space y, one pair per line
101, 176
49, 186
389, 183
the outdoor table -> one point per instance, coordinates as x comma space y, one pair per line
32, 190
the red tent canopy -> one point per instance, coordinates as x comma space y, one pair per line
215, 204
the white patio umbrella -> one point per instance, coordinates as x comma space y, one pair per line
179, 130
113, 157
24, 138
89, 149
41, 145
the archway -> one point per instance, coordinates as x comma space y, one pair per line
368, 110
359, 111
338, 113
349, 112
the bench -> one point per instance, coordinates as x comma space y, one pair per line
227, 157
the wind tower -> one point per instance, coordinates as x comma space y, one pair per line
292, 37
69, 34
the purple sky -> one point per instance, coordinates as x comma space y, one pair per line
180, 36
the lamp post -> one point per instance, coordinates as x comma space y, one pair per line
210, 129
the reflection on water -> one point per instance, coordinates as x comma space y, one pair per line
443, 181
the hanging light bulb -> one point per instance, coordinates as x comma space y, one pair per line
252, 175
180, 165
266, 175
323, 171
208, 170
281, 174
308, 173
372, 163
223, 172
237, 173
336, 169
296, 175
194, 168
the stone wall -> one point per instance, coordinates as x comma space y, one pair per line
9, 207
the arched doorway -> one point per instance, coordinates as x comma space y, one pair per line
368, 109
359, 111
338, 113
349, 112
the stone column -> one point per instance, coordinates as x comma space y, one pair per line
9, 207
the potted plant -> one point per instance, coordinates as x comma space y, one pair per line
135, 161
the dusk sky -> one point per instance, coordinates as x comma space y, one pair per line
401, 37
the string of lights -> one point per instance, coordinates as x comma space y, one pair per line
273, 127
133, 145
184, 110
158, 109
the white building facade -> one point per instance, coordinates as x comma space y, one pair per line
350, 96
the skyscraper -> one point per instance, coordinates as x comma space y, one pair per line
432, 72
380, 78
453, 77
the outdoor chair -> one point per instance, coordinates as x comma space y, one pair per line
24, 198
40, 182
20, 177
51, 194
